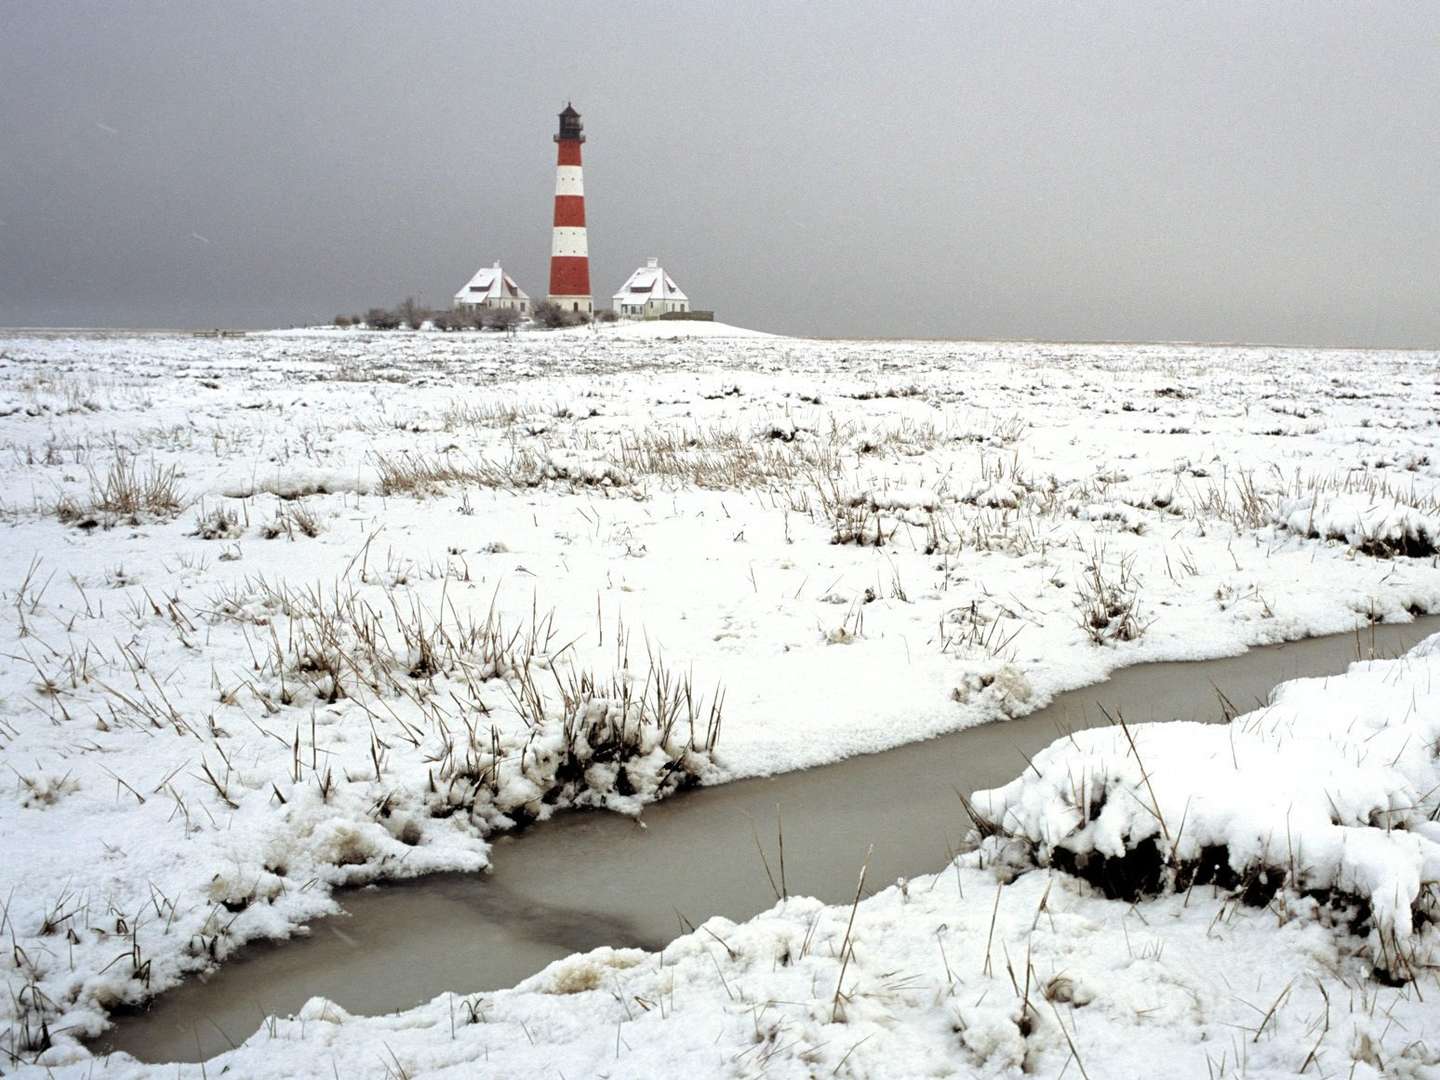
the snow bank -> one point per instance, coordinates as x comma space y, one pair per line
582, 468
1379, 525
1330, 790
298, 481
894, 499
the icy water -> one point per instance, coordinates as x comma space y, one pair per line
590, 879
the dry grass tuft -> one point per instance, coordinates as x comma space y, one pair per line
1108, 601
125, 494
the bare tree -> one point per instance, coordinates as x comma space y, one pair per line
411, 313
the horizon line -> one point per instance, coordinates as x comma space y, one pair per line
1180, 342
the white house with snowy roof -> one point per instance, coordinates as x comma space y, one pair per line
649, 293
492, 288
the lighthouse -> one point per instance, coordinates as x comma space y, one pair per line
569, 253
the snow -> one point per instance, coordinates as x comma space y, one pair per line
674, 328
897, 499
1378, 522
417, 584
1000, 966
1330, 788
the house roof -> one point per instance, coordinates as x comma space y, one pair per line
649, 282
490, 283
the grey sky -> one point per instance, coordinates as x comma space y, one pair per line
1262, 172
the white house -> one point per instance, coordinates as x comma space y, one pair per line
491, 287
649, 293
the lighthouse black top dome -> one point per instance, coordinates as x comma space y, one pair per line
570, 126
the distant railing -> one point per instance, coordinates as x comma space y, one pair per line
687, 316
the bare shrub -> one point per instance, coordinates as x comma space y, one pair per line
502, 318
464, 317
554, 317
378, 318
475, 317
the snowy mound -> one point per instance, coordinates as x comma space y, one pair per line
302, 331
674, 328
1331, 790
298, 481
1380, 526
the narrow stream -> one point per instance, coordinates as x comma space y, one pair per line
590, 879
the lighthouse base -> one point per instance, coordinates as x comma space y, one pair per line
581, 304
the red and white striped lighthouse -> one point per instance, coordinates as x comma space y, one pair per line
569, 252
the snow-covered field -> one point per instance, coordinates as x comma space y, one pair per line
289, 612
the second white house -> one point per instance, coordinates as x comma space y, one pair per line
649, 293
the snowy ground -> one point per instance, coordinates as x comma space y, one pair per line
295, 611
678, 328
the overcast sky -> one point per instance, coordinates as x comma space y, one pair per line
1259, 172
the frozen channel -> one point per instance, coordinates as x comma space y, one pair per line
590, 879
